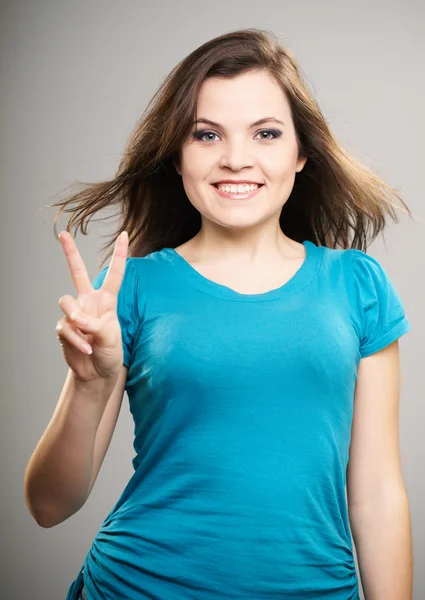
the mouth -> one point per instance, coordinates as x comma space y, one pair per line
230, 184
237, 195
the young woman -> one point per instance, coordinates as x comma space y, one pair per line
257, 344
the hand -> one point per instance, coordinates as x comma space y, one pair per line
92, 349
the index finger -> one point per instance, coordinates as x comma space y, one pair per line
115, 273
76, 264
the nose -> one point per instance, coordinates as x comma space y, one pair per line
236, 155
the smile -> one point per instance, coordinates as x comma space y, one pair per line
237, 195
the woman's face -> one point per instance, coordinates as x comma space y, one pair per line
232, 149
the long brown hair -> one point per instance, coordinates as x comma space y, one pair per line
333, 196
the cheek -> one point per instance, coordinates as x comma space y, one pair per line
195, 171
278, 167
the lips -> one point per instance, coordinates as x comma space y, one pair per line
242, 183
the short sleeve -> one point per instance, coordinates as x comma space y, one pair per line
380, 315
127, 309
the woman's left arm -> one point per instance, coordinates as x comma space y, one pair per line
377, 500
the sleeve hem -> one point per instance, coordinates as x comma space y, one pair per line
400, 329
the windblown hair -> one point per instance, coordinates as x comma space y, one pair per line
333, 196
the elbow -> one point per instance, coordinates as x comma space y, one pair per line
43, 518
44, 524
39, 518
47, 521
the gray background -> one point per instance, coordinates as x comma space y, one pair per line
74, 79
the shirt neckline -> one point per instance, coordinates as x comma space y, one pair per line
301, 277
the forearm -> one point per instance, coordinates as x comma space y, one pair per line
59, 472
382, 535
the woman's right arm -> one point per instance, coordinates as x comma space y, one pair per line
66, 461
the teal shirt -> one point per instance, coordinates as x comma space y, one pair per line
242, 407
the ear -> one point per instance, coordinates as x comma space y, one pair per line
176, 163
300, 164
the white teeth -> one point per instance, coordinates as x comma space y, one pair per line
238, 189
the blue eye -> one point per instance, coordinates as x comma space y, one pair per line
198, 135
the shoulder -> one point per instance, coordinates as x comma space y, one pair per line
369, 278
136, 268
356, 265
378, 310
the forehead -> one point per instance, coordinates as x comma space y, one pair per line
247, 97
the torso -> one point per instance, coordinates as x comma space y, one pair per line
248, 281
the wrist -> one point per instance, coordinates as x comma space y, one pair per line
101, 385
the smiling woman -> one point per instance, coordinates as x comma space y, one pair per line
239, 147
245, 311
332, 197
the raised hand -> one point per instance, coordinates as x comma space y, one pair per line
90, 332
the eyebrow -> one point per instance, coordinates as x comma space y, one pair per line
259, 122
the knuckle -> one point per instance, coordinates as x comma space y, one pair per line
64, 300
62, 324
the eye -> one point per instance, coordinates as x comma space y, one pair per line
198, 135
274, 132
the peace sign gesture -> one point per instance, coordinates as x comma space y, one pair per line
90, 332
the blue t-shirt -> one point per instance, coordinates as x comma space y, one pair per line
242, 407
